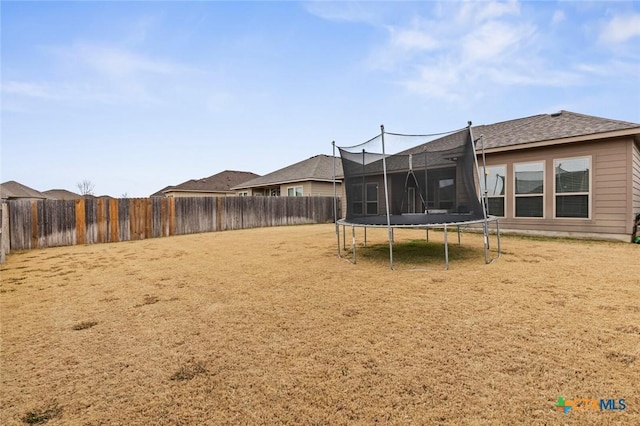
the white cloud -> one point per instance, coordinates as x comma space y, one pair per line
477, 12
34, 90
493, 39
558, 17
412, 39
479, 48
621, 28
350, 11
115, 61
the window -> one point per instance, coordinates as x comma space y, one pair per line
372, 198
496, 177
446, 193
294, 191
361, 200
357, 198
572, 179
529, 186
243, 194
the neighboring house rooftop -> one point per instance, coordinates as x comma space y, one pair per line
221, 182
161, 193
12, 190
316, 168
62, 194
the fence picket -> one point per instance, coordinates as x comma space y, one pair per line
50, 223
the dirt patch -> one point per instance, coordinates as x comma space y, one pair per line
269, 326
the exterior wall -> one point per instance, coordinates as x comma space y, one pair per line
635, 177
177, 194
610, 197
309, 189
324, 189
306, 188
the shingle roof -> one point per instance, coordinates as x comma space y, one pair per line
62, 194
316, 168
221, 182
13, 189
161, 193
546, 127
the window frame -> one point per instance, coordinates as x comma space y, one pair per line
294, 189
589, 193
542, 194
504, 197
367, 202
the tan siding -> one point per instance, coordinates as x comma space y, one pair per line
609, 187
635, 179
177, 194
324, 189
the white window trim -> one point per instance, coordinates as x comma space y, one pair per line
543, 195
294, 191
589, 193
506, 184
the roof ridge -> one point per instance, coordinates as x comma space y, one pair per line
562, 111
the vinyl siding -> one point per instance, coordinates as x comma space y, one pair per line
178, 194
324, 189
609, 187
635, 179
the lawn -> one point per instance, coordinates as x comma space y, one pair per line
269, 326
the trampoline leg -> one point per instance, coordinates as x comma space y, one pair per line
427, 234
338, 237
344, 238
459, 243
353, 233
498, 234
365, 236
446, 250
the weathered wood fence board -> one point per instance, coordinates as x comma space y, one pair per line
49, 223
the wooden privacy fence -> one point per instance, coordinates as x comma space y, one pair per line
49, 223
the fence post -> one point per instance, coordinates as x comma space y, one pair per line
4, 231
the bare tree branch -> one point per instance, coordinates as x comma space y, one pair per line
86, 187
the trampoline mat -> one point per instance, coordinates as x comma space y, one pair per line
419, 219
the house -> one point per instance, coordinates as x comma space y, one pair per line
161, 193
311, 177
561, 174
564, 174
218, 185
61, 194
12, 190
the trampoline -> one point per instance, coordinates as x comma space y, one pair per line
434, 182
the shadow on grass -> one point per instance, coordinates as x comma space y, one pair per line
419, 253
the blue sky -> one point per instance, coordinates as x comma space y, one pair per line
135, 96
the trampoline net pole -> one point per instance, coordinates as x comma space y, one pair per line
485, 229
386, 197
335, 199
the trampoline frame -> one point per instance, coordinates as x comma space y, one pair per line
483, 197
444, 226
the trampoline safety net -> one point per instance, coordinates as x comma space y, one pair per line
429, 182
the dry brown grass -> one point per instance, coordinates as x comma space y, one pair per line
268, 326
